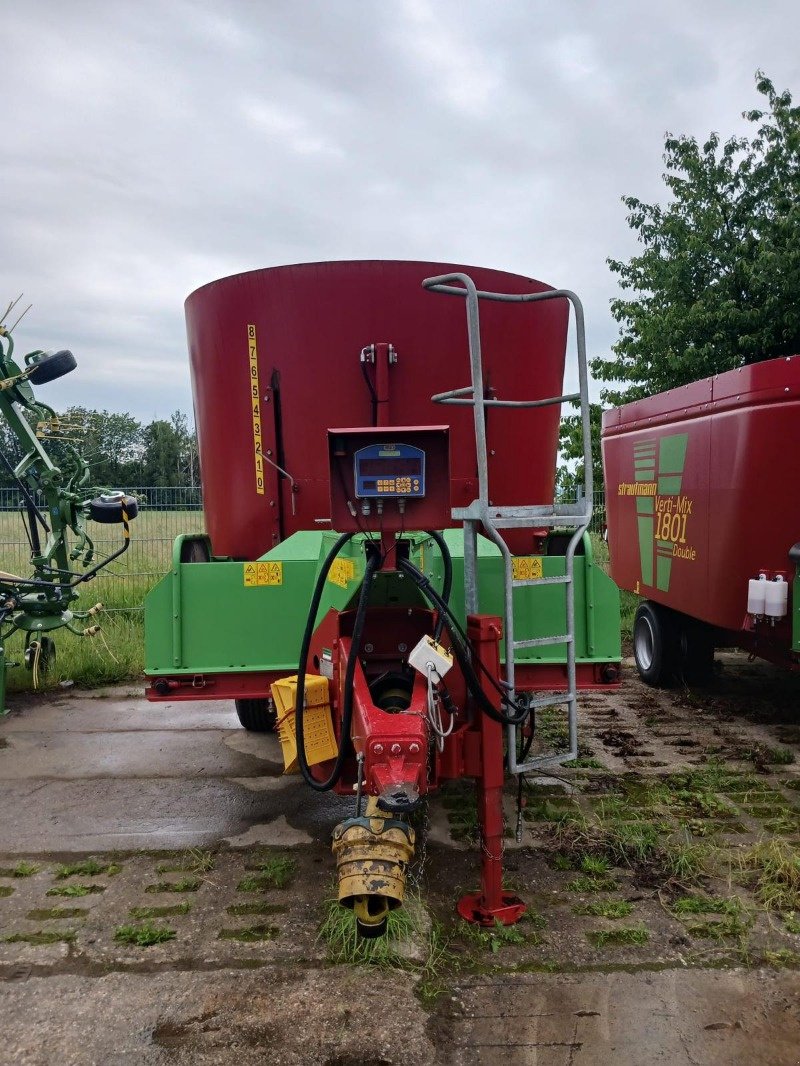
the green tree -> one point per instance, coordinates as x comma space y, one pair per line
569, 479
170, 452
716, 284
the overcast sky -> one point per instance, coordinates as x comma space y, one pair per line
150, 148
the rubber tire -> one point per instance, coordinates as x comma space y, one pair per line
257, 716
695, 652
50, 367
108, 509
655, 645
195, 551
47, 656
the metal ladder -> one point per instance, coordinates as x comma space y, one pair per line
479, 514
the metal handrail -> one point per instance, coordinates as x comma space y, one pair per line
474, 395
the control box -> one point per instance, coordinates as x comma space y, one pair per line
387, 479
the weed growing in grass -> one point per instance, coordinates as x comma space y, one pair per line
792, 923
22, 869
194, 861
251, 935
87, 868
607, 908
52, 914
277, 871
186, 884
144, 935
602, 938
775, 867
145, 913
75, 891
41, 937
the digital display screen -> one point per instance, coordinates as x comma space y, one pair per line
390, 467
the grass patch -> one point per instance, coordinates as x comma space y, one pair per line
54, 914
594, 865
706, 905
792, 923
87, 868
251, 935
144, 935
22, 869
607, 908
5, 890
782, 958
40, 937
194, 861
407, 926
277, 871
146, 913
683, 860
775, 868
603, 938
239, 910
731, 926
592, 884
561, 861
75, 891
186, 884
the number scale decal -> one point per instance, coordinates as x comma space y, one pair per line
255, 407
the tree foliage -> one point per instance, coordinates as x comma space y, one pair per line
717, 281
569, 479
120, 451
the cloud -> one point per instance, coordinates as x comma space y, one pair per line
148, 149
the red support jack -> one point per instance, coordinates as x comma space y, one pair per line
491, 904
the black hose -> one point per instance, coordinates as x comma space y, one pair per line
462, 655
320, 786
447, 583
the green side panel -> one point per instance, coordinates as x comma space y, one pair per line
202, 618
540, 611
796, 612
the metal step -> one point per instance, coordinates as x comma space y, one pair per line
539, 642
534, 514
521, 582
551, 701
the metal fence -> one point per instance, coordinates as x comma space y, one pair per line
164, 512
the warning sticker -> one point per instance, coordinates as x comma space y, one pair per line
256, 574
342, 572
527, 567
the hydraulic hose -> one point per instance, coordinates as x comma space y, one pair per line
347, 710
461, 653
447, 583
